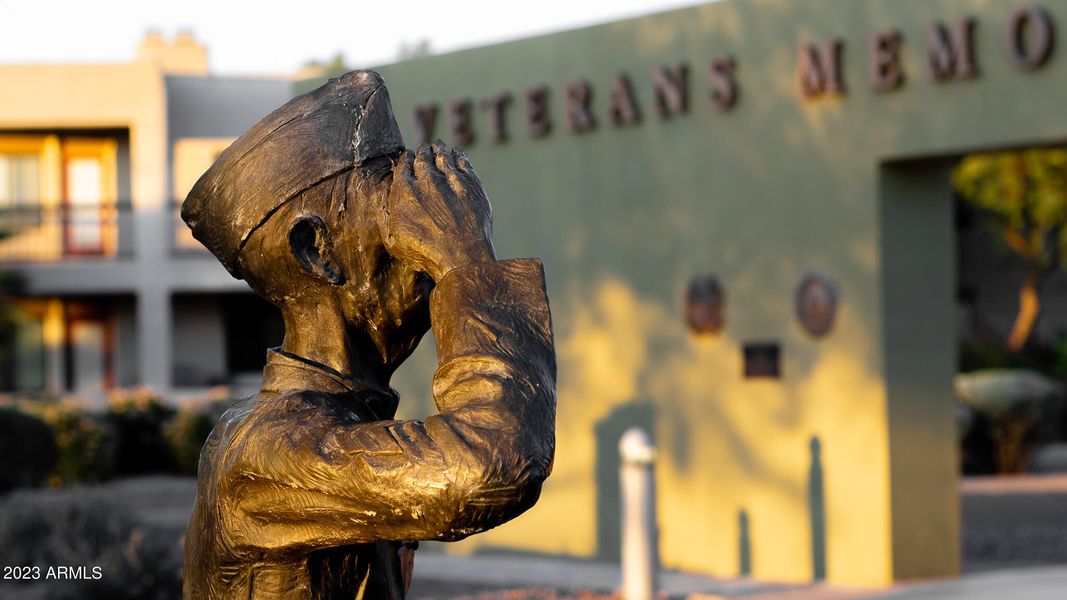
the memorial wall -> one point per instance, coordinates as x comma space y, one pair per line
745, 215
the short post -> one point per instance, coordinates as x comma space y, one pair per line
638, 486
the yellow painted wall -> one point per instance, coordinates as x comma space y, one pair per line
780, 185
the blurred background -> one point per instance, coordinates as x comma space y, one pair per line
814, 248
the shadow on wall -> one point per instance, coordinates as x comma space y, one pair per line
744, 545
817, 512
608, 513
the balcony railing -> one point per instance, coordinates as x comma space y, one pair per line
37, 233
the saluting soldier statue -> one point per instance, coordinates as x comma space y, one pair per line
311, 489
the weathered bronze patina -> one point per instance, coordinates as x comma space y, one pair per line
311, 489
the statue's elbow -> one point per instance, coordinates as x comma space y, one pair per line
524, 481
498, 493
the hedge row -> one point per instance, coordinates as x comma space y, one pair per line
89, 528
62, 443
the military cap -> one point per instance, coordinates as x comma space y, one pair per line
327, 131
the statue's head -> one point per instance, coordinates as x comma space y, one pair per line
291, 207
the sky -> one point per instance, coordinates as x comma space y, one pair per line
277, 38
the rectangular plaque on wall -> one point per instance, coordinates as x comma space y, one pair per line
762, 360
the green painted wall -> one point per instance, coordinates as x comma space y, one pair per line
758, 196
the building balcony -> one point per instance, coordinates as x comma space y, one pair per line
38, 233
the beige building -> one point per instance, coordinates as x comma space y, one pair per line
94, 159
784, 164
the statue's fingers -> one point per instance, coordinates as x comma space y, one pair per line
424, 165
403, 169
443, 157
463, 162
448, 165
473, 183
407, 160
439, 147
403, 185
432, 181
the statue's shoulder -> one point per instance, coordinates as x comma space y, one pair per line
272, 416
251, 413
245, 427
293, 420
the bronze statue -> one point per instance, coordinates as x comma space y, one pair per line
311, 489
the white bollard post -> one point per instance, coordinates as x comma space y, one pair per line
638, 486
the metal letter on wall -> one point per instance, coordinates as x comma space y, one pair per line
579, 96
425, 121
705, 304
950, 53
537, 119
461, 121
819, 69
886, 70
670, 89
723, 92
496, 105
816, 303
622, 106
1031, 38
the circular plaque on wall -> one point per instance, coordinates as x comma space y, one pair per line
816, 302
704, 304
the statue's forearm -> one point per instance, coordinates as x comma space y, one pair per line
495, 388
476, 464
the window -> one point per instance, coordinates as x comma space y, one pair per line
85, 197
57, 196
19, 179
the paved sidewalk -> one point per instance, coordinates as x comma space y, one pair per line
1010, 525
1036, 583
507, 571
490, 577
1014, 484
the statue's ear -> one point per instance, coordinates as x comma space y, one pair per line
310, 243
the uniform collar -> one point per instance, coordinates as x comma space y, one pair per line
285, 371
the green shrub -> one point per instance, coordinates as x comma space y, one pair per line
27, 450
91, 528
187, 432
190, 428
976, 355
86, 445
137, 417
137, 434
1016, 406
1059, 369
84, 442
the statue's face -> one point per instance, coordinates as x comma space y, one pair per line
324, 249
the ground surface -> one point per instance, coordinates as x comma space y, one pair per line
1013, 524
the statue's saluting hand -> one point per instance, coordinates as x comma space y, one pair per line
436, 215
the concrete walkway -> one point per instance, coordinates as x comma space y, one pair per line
1036, 583
522, 571
471, 575
1008, 523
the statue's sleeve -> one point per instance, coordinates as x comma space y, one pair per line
476, 464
